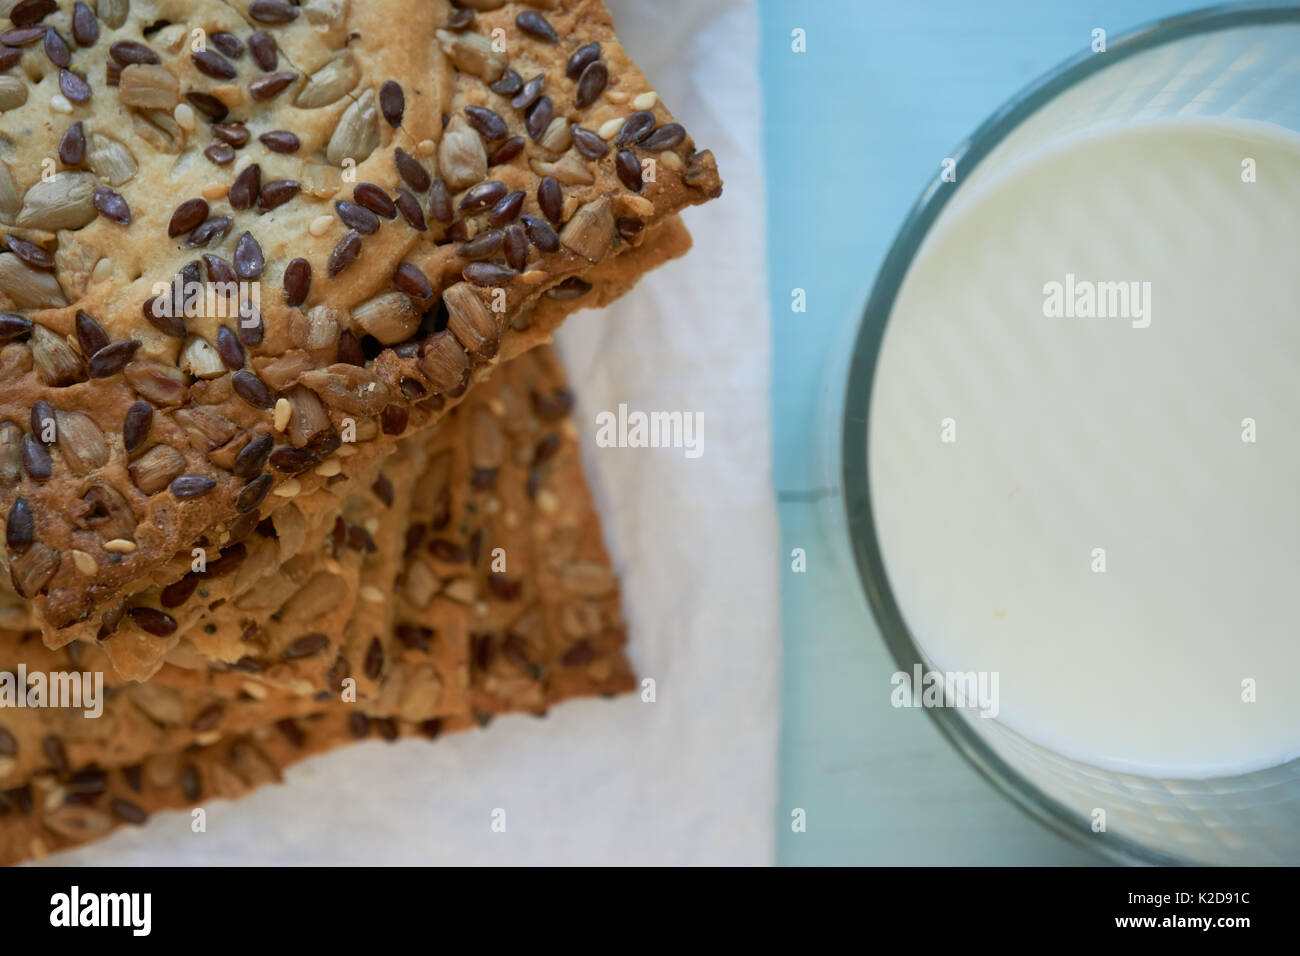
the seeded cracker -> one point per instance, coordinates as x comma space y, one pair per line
229, 164
258, 591
529, 668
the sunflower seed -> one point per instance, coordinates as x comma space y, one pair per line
390, 317
200, 359
445, 363
470, 320
308, 419
590, 233
81, 442
462, 159
357, 133
56, 363
556, 137
29, 288
13, 93
161, 384
112, 12
473, 53
110, 160
148, 86
33, 570
330, 83
156, 469
348, 388
64, 201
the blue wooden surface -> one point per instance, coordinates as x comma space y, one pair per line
852, 130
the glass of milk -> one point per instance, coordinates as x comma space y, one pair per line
1071, 444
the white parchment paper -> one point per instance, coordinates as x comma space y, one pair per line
690, 778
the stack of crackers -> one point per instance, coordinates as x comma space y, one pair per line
286, 461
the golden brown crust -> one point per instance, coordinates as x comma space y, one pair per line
129, 520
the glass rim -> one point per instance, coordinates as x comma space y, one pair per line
865, 354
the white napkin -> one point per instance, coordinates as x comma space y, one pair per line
690, 778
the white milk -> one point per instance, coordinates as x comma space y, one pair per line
1121, 433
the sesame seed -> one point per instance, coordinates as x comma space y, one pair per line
84, 562
371, 525
426, 147
59, 103
103, 270
609, 129
288, 489
184, 116
345, 451
547, 501
329, 468
646, 100
672, 161
283, 410
320, 225
617, 97
119, 545
372, 594
215, 191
